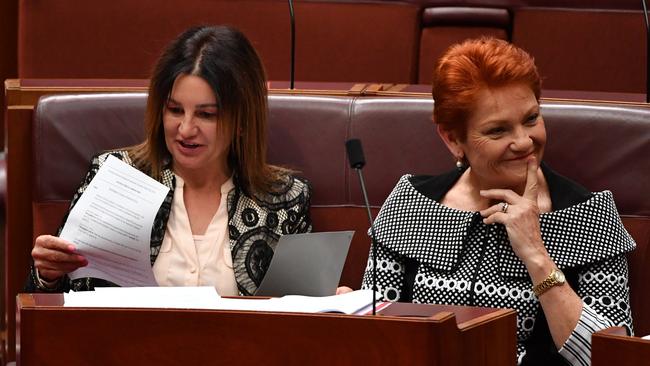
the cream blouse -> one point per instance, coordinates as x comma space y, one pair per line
196, 260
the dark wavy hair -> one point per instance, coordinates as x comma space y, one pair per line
226, 60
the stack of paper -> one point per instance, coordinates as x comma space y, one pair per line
355, 302
350, 303
145, 297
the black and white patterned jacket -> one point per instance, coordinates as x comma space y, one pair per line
254, 227
430, 253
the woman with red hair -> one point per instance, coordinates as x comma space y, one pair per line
503, 229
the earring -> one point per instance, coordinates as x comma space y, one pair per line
460, 163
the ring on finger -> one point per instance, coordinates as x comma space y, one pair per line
504, 207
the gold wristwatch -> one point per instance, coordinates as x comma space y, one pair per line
556, 278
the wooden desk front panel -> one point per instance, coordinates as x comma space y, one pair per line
168, 337
612, 347
53, 335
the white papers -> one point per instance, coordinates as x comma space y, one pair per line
145, 297
349, 303
355, 302
111, 224
646, 337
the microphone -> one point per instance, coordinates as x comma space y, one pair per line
355, 153
357, 162
293, 44
647, 59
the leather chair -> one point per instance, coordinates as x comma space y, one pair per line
364, 41
443, 26
585, 49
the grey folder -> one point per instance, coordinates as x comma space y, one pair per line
306, 264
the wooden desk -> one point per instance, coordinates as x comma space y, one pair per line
50, 334
613, 347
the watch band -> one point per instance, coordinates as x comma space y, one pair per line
556, 277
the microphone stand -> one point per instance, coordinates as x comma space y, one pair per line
293, 44
373, 245
357, 162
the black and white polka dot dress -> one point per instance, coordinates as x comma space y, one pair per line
461, 261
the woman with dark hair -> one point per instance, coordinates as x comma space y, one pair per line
503, 229
205, 125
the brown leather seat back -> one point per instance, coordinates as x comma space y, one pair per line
443, 26
399, 137
307, 133
68, 131
585, 49
602, 146
335, 40
606, 147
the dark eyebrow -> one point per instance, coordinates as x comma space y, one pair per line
207, 105
204, 105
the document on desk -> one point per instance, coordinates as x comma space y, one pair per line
357, 302
145, 297
111, 224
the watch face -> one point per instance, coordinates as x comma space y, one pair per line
559, 276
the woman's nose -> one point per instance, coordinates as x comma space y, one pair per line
521, 141
187, 126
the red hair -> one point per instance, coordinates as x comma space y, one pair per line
467, 68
